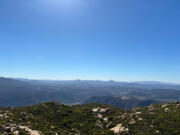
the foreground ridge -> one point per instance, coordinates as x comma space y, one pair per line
90, 119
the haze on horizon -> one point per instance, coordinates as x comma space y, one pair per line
122, 40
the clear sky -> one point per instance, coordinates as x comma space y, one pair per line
123, 40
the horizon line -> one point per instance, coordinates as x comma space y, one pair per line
118, 81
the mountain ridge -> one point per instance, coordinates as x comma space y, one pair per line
22, 93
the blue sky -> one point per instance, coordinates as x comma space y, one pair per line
123, 40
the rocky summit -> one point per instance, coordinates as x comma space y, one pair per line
90, 119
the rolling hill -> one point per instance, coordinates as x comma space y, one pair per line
122, 102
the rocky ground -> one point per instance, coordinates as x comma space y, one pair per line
91, 119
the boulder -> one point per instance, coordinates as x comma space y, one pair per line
119, 129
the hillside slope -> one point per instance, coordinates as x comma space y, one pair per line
91, 119
122, 102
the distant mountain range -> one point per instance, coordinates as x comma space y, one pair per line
23, 92
140, 84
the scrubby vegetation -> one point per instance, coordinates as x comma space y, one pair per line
91, 119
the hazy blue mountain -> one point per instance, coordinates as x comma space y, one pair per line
141, 84
20, 92
12, 82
